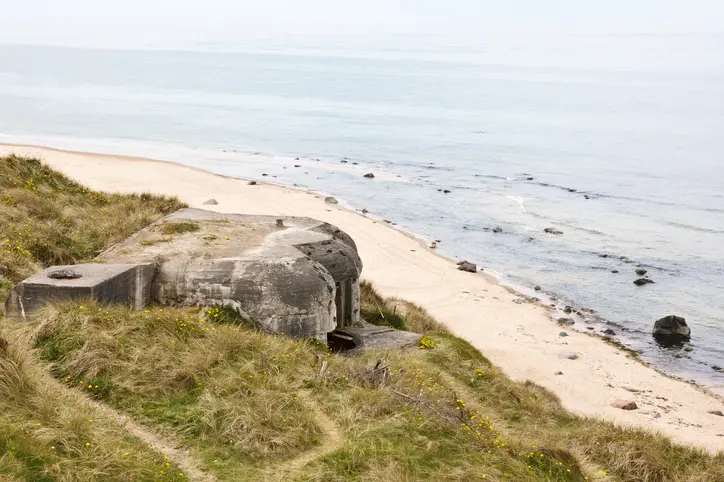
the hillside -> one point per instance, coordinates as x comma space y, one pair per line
91, 392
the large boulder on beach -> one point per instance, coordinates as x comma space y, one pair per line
672, 328
467, 266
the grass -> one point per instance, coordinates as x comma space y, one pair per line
250, 405
179, 227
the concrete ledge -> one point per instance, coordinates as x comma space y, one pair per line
107, 283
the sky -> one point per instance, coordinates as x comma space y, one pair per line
186, 22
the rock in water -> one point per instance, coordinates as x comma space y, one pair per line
467, 266
671, 329
625, 404
609, 332
566, 321
643, 281
446, 191
211, 202
331, 200
552, 231
497, 229
641, 271
369, 175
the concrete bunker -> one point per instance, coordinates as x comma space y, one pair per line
291, 275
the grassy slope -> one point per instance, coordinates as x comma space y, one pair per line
256, 406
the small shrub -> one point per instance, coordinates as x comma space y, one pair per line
426, 343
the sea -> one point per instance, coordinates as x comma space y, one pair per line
616, 141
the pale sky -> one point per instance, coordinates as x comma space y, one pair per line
186, 22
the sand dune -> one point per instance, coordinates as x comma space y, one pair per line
520, 338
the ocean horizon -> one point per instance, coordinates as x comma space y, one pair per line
614, 141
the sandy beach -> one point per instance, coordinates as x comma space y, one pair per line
519, 337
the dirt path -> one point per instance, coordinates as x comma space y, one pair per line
333, 441
190, 467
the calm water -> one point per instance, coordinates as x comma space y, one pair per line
618, 141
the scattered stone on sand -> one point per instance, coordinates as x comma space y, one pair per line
387, 221
718, 413
331, 200
566, 321
643, 281
252, 183
567, 310
446, 191
563, 334
572, 356
211, 202
609, 332
641, 271
467, 266
497, 229
369, 175
65, 273
558, 373
537, 288
280, 223
433, 245
672, 327
552, 231
624, 404
631, 389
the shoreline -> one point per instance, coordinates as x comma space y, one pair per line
518, 337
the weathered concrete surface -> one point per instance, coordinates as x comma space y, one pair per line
299, 277
365, 336
108, 283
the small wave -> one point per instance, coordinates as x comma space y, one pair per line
694, 228
520, 201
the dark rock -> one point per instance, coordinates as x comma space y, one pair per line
566, 321
641, 271
343, 161
537, 288
211, 202
446, 191
364, 211
528, 178
331, 200
609, 331
388, 221
497, 229
369, 175
717, 368
467, 266
586, 196
252, 183
558, 373
603, 255
643, 281
590, 328
563, 334
265, 174
624, 404
718, 413
552, 231
297, 165
567, 310
65, 273
671, 330
614, 271
572, 190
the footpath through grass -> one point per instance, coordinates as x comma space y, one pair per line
249, 405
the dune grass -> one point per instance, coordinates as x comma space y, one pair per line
250, 405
